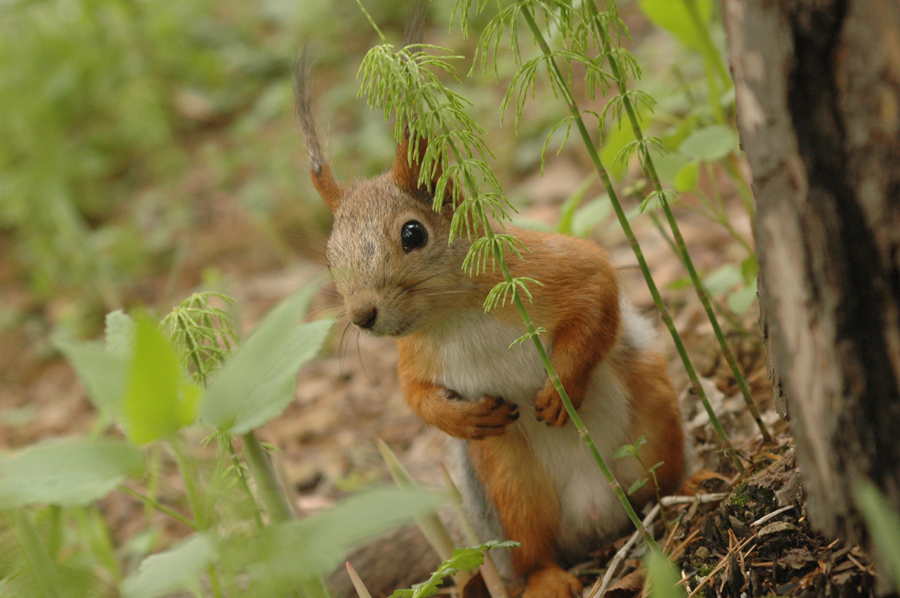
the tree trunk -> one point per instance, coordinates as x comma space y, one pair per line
818, 99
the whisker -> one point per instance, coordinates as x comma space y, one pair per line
341, 348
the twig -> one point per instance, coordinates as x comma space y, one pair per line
771, 515
360, 587
717, 568
668, 501
599, 589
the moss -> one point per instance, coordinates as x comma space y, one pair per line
741, 495
705, 569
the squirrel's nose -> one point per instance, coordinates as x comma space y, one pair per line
365, 318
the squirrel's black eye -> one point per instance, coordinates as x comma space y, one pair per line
413, 235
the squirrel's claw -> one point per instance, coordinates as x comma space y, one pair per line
549, 408
489, 417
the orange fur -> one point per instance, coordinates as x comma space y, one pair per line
329, 189
655, 416
523, 492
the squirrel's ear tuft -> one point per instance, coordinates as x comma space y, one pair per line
406, 172
329, 189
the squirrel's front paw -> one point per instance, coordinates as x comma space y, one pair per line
549, 407
487, 417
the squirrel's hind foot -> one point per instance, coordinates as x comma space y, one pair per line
552, 582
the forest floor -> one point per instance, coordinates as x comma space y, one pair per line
751, 539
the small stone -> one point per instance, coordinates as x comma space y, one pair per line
702, 553
776, 528
739, 527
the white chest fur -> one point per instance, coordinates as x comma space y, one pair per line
476, 360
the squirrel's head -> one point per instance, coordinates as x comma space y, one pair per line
388, 251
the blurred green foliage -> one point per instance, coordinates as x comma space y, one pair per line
108, 106
123, 124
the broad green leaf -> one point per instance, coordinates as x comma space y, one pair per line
289, 554
532, 224
750, 268
167, 572
673, 16
102, 373
617, 138
632, 214
741, 300
710, 143
159, 400
567, 211
41, 566
66, 472
669, 165
257, 382
663, 577
686, 179
723, 279
430, 523
679, 284
590, 215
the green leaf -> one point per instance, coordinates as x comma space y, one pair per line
673, 16
668, 165
623, 451
742, 299
258, 382
119, 334
66, 472
159, 400
533, 224
686, 179
723, 279
749, 269
41, 566
462, 559
616, 140
168, 572
567, 211
102, 373
636, 486
679, 284
710, 143
663, 577
590, 215
288, 554
883, 523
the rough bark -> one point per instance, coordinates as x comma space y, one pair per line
818, 100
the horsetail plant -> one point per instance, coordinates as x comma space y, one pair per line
601, 24
401, 82
593, 30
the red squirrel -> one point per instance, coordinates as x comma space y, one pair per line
520, 464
